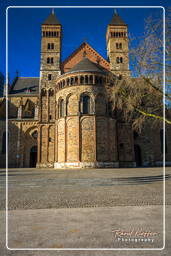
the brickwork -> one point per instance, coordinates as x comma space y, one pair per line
68, 122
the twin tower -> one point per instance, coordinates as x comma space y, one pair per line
76, 126
116, 40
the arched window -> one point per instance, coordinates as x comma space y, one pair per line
48, 46
117, 60
52, 46
68, 81
51, 60
76, 80
43, 92
86, 104
3, 151
72, 80
86, 79
91, 79
51, 92
121, 60
61, 108
96, 79
82, 80
48, 60
120, 46
117, 46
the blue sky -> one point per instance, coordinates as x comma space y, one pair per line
25, 27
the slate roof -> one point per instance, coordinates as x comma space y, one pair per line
117, 20
51, 20
86, 65
25, 86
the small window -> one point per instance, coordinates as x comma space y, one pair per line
48, 46
52, 46
51, 60
49, 76
120, 46
121, 60
48, 60
50, 117
117, 60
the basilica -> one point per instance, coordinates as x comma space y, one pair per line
64, 119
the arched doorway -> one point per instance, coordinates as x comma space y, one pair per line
33, 156
137, 151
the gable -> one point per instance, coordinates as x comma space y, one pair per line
77, 56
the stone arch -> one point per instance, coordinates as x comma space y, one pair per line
30, 147
71, 104
28, 109
86, 103
87, 139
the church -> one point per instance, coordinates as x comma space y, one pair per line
64, 119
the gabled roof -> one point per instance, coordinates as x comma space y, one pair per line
77, 56
117, 20
87, 65
25, 86
51, 20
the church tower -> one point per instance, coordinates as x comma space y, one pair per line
117, 46
50, 51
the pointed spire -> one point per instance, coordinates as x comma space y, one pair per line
52, 19
117, 20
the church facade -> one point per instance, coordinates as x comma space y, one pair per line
63, 119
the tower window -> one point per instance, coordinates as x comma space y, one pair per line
50, 60
118, 45
49, 76
119, 60
48, 46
